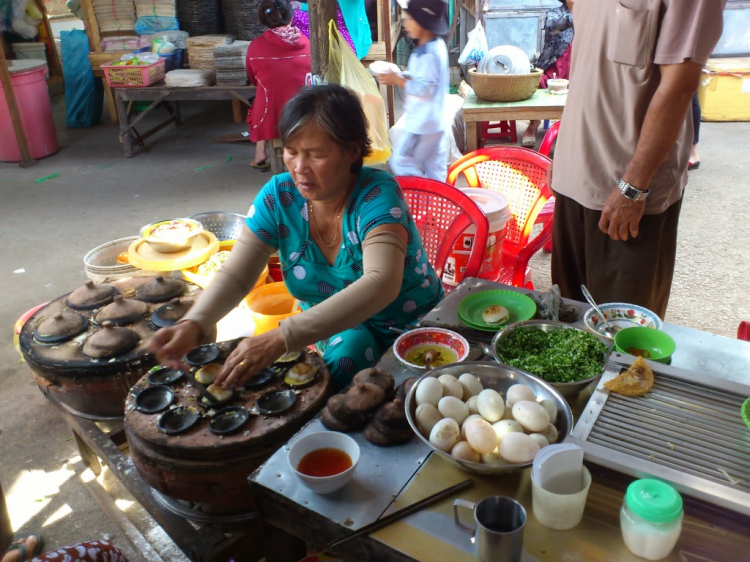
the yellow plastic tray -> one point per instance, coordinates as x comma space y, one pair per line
142, 256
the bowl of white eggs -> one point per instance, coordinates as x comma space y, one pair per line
486, 418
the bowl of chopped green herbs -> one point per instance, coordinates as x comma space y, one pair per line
567, 357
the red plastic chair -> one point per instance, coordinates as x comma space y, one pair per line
743, 331
549, 139
520, 175
548, 211
442, 213
504, 130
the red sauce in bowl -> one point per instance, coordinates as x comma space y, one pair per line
324, 462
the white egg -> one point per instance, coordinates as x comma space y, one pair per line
519, 392
550, 432
427, 416
429, 391
445, 434
493, 458
490, 405
549, 405
504, 427
470, 384
467, 420
463, 451
454, 408
451, 386
472, 404
531, 415
481, 436
540, 439
518, 447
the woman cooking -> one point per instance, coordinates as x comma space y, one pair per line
348, 247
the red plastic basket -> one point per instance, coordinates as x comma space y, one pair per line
135, 75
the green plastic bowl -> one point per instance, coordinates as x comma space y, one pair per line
746, 412
660, 346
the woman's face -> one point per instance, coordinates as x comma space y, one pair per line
320, 167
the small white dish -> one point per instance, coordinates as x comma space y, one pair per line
323, 440
384, 67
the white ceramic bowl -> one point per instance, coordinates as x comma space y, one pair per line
621, 315
324, 440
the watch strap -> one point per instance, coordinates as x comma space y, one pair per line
632, 193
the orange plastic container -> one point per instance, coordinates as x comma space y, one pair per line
269, 305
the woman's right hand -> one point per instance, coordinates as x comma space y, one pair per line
170, 345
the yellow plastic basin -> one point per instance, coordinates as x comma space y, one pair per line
269, 305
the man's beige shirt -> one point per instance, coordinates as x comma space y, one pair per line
617, 50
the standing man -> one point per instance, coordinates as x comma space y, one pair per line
621, 161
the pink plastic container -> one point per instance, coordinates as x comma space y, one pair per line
30, 87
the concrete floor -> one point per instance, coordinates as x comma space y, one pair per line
46, 228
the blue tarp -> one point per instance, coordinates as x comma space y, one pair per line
83, 92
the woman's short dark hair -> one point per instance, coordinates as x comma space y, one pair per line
335, 110
275, 13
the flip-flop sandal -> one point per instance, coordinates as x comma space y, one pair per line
528, 142
694, 165
21, 546
263, 166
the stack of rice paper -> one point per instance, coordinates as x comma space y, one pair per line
230, 64
189, 78
201, 50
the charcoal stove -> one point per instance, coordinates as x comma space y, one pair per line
88, 347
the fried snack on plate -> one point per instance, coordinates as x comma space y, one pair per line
636, 381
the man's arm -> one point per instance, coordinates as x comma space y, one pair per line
664, 118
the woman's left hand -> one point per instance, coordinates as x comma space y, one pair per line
249, 357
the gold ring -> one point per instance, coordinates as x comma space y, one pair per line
242, 363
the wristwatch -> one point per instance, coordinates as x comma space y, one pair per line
631, 192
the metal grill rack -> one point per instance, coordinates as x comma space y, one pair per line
686, 430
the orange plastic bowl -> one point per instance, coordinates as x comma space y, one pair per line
269, 305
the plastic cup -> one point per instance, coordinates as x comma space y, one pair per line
560, 511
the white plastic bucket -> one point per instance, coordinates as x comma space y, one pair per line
495, 206
30, 51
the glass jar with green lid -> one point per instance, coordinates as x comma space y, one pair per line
651, 518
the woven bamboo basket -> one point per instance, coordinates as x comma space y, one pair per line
505, 87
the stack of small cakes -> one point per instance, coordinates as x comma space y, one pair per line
372, 404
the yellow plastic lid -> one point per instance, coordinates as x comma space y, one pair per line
142, 256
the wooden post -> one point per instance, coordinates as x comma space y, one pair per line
15, 114
321, 12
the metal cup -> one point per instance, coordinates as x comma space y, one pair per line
498, 528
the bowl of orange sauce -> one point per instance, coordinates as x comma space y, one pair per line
324, 461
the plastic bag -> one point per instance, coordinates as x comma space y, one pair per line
344, 68
84, 94
476, 46
148, 25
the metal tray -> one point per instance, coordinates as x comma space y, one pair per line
687, 430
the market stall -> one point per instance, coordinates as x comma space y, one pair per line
388, 480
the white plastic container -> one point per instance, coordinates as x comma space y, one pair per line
651, 518
30, 51
495, 206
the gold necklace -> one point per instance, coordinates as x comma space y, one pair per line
315, 224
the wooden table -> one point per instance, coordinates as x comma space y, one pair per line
542, 105
383, 484
170, 98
